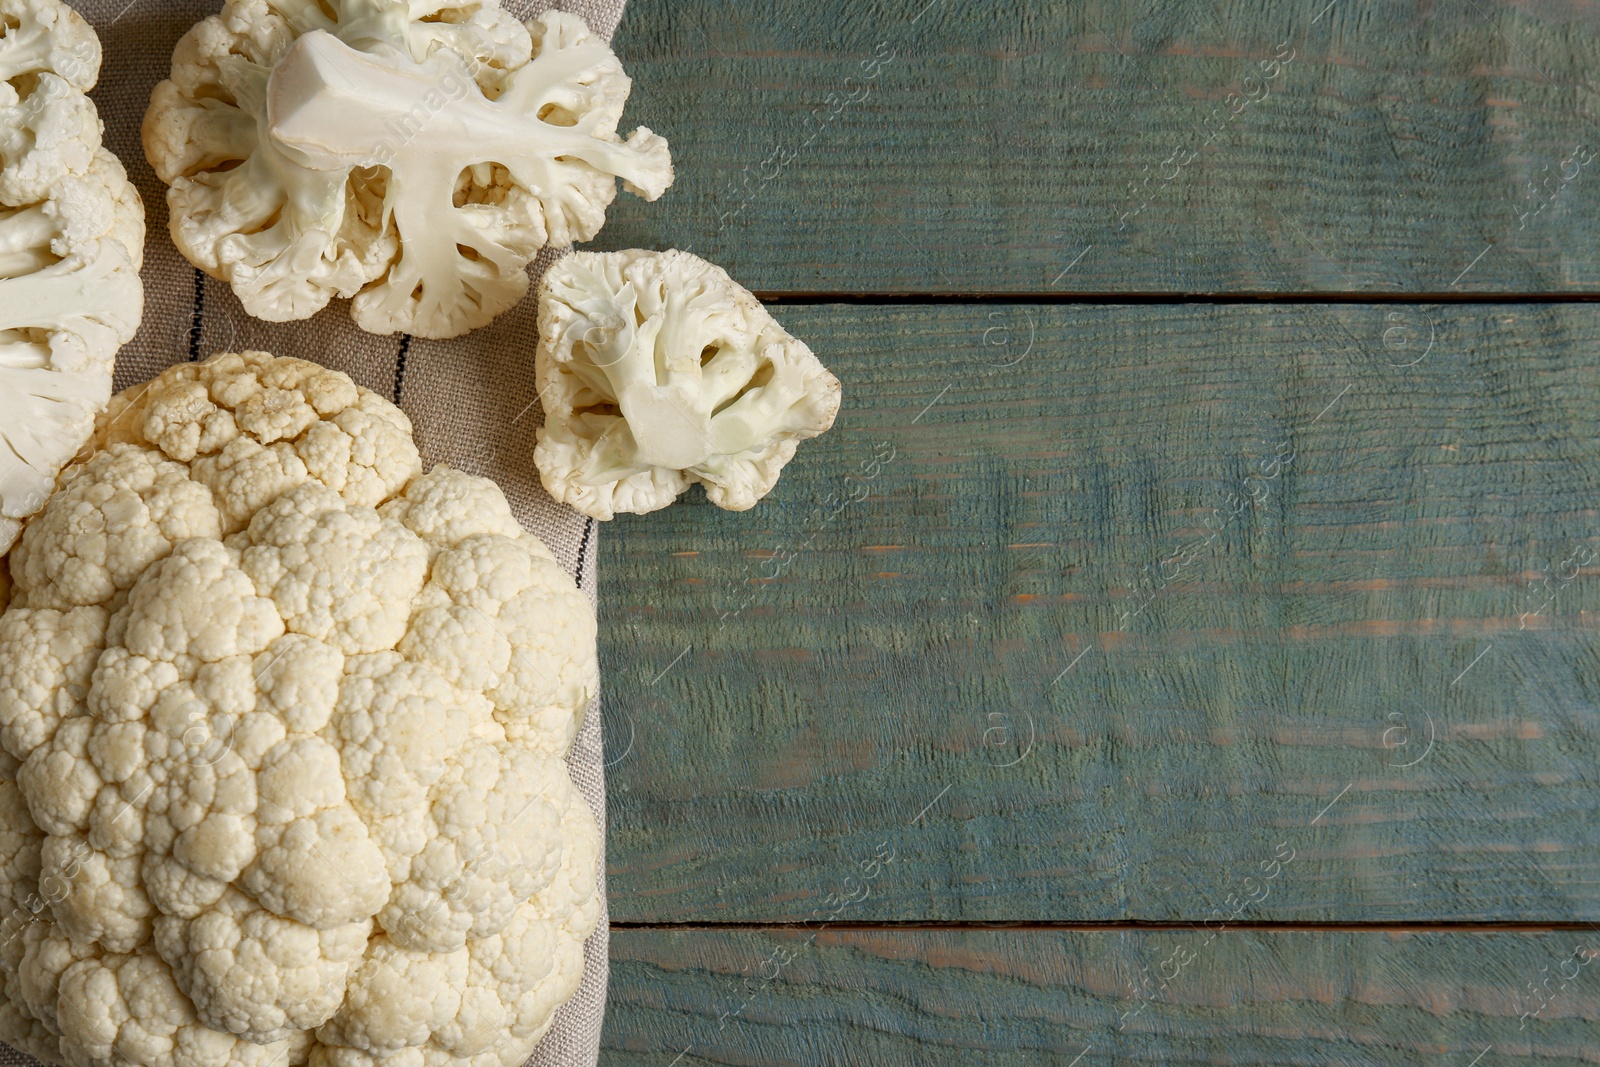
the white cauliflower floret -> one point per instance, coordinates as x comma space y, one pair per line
38, 36
414, 157
444, 510
24, 1031
128, 1010
484, 587
49, 58
47, 953
101, 896
396, 724
657, 371
109, 520
47, 676
315, 860
486, 852
283, 773
21, 843
252, 972
71, 243
489, 1007
197, 604
399, 999
46, 136
346, 577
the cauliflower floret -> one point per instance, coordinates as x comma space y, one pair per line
206, 415
658, 371
490, 822
128, 1010
46, 677
101, 898
283, 776
415, 158
37, 36
71, 243
342, 576
251, 972
315, 861
20, 845
489, 1007
23, 1030
60, 781
45, 136
48, 127
484, 588
110, 519
69, 298
399, 998
444, 508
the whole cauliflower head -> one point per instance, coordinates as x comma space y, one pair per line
71, 243
412, 155
657, 371
283, 724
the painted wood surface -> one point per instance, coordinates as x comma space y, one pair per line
1221, 614
1011, 998
1175, 146
1099, 612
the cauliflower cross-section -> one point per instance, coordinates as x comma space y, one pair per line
657, 371
282, 734
412, 156
71, 243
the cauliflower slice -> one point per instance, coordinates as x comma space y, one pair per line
71, 243
413, 156
281, 745
657, 371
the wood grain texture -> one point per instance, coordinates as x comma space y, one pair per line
1022, 997
1410, 146
1129, 601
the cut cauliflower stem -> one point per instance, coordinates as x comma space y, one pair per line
284, 724
71, 243
415, 156
657, 370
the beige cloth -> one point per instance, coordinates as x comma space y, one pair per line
472, 399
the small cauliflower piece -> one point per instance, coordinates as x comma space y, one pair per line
282, 744
413, 157
71, 243
657, 371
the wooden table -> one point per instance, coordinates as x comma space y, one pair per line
1183, 649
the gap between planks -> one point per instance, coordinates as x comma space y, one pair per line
1024, 297
1401, 926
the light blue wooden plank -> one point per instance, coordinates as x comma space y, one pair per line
790, 687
